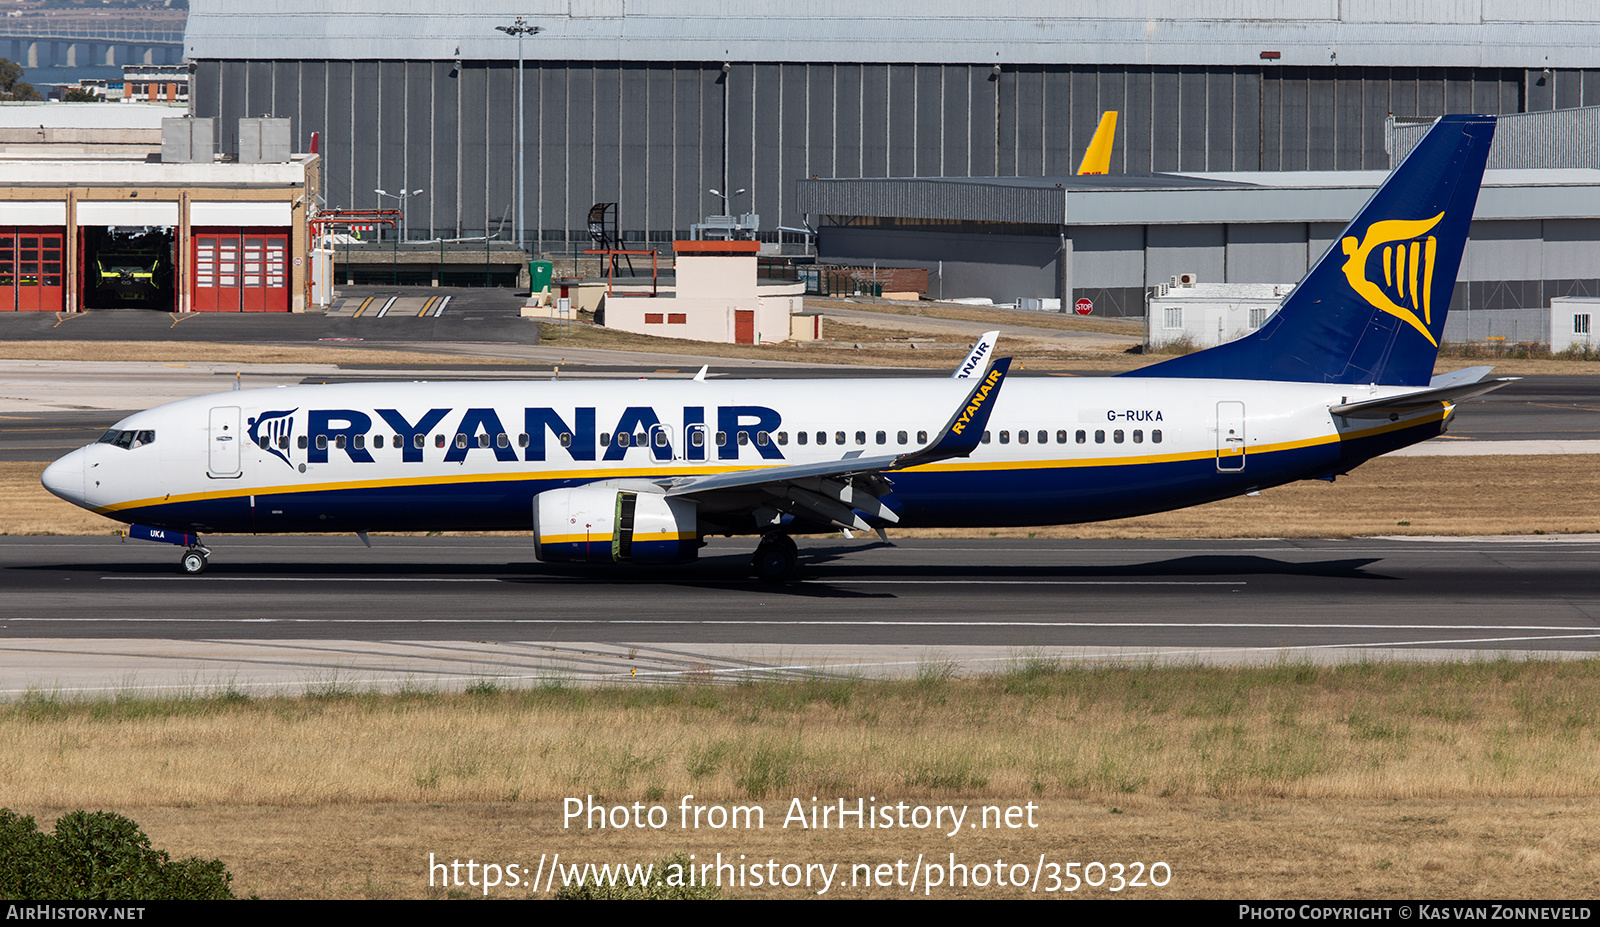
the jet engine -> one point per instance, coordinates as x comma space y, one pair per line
606, 524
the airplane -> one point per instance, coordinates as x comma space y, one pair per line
643, 471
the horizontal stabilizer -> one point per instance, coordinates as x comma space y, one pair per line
1412, 402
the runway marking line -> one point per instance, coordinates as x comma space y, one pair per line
363, 307
387, 306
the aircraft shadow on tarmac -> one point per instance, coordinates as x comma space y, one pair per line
820, 567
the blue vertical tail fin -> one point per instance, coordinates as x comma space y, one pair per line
1373, 307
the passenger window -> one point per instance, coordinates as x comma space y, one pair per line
661, 439
417, 441
361, 442
566, 439
504, 440
641, 440
985, 437
1155, 436
283, 442
302, 442
762, 439
883, 438
861, 437
1005, 437
722, 439
461, 440
783, 438
522, 439
1081, 436
1061, 436
605, 439
1099, 436
401, 442
1138, 436
377, 441
1116, 436
838, 437
802, 436
900, 436
1022, 437
922, 437
1044, 436
338, 442
483, 439
438, 440
322, 442
744, 438
624, 439
822, 438
697, 438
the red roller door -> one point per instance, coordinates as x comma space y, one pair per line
241, 270
32, 270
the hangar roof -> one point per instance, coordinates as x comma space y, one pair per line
1420, 33
1118, 199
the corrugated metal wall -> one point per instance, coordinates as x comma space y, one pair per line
655, 137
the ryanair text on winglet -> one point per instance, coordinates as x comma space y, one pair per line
979, 397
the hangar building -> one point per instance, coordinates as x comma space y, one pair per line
652, 103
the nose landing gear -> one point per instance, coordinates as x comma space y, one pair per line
194, 561
194, 557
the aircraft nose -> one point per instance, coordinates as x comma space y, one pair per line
64, 478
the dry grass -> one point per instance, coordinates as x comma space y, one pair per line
1133, 329
879, 347
1295, 780
1432, 495
202, 352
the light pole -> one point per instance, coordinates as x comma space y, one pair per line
725, 198
519, 29
401, 196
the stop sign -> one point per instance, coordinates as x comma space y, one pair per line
1084, 306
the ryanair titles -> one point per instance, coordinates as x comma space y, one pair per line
545, 432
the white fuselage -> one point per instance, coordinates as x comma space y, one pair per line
471, 455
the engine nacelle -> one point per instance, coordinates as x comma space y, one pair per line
605, 524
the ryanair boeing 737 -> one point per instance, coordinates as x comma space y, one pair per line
640, 472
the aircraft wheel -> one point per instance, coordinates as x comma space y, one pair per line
776, 559
194, 562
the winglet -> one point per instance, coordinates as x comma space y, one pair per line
975, 358
1097, 160
964, 432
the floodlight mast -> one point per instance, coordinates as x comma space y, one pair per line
519, 29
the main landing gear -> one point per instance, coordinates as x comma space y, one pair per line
776, 559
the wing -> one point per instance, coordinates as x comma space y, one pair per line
836, 489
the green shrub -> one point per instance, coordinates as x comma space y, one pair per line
98, 856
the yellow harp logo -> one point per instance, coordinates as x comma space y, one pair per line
1407, 269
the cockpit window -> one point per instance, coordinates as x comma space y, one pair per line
127, 440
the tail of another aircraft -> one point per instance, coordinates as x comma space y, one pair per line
1097, 160
1373, 307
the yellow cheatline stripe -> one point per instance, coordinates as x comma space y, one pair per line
426, 305
605, 537
653, 473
